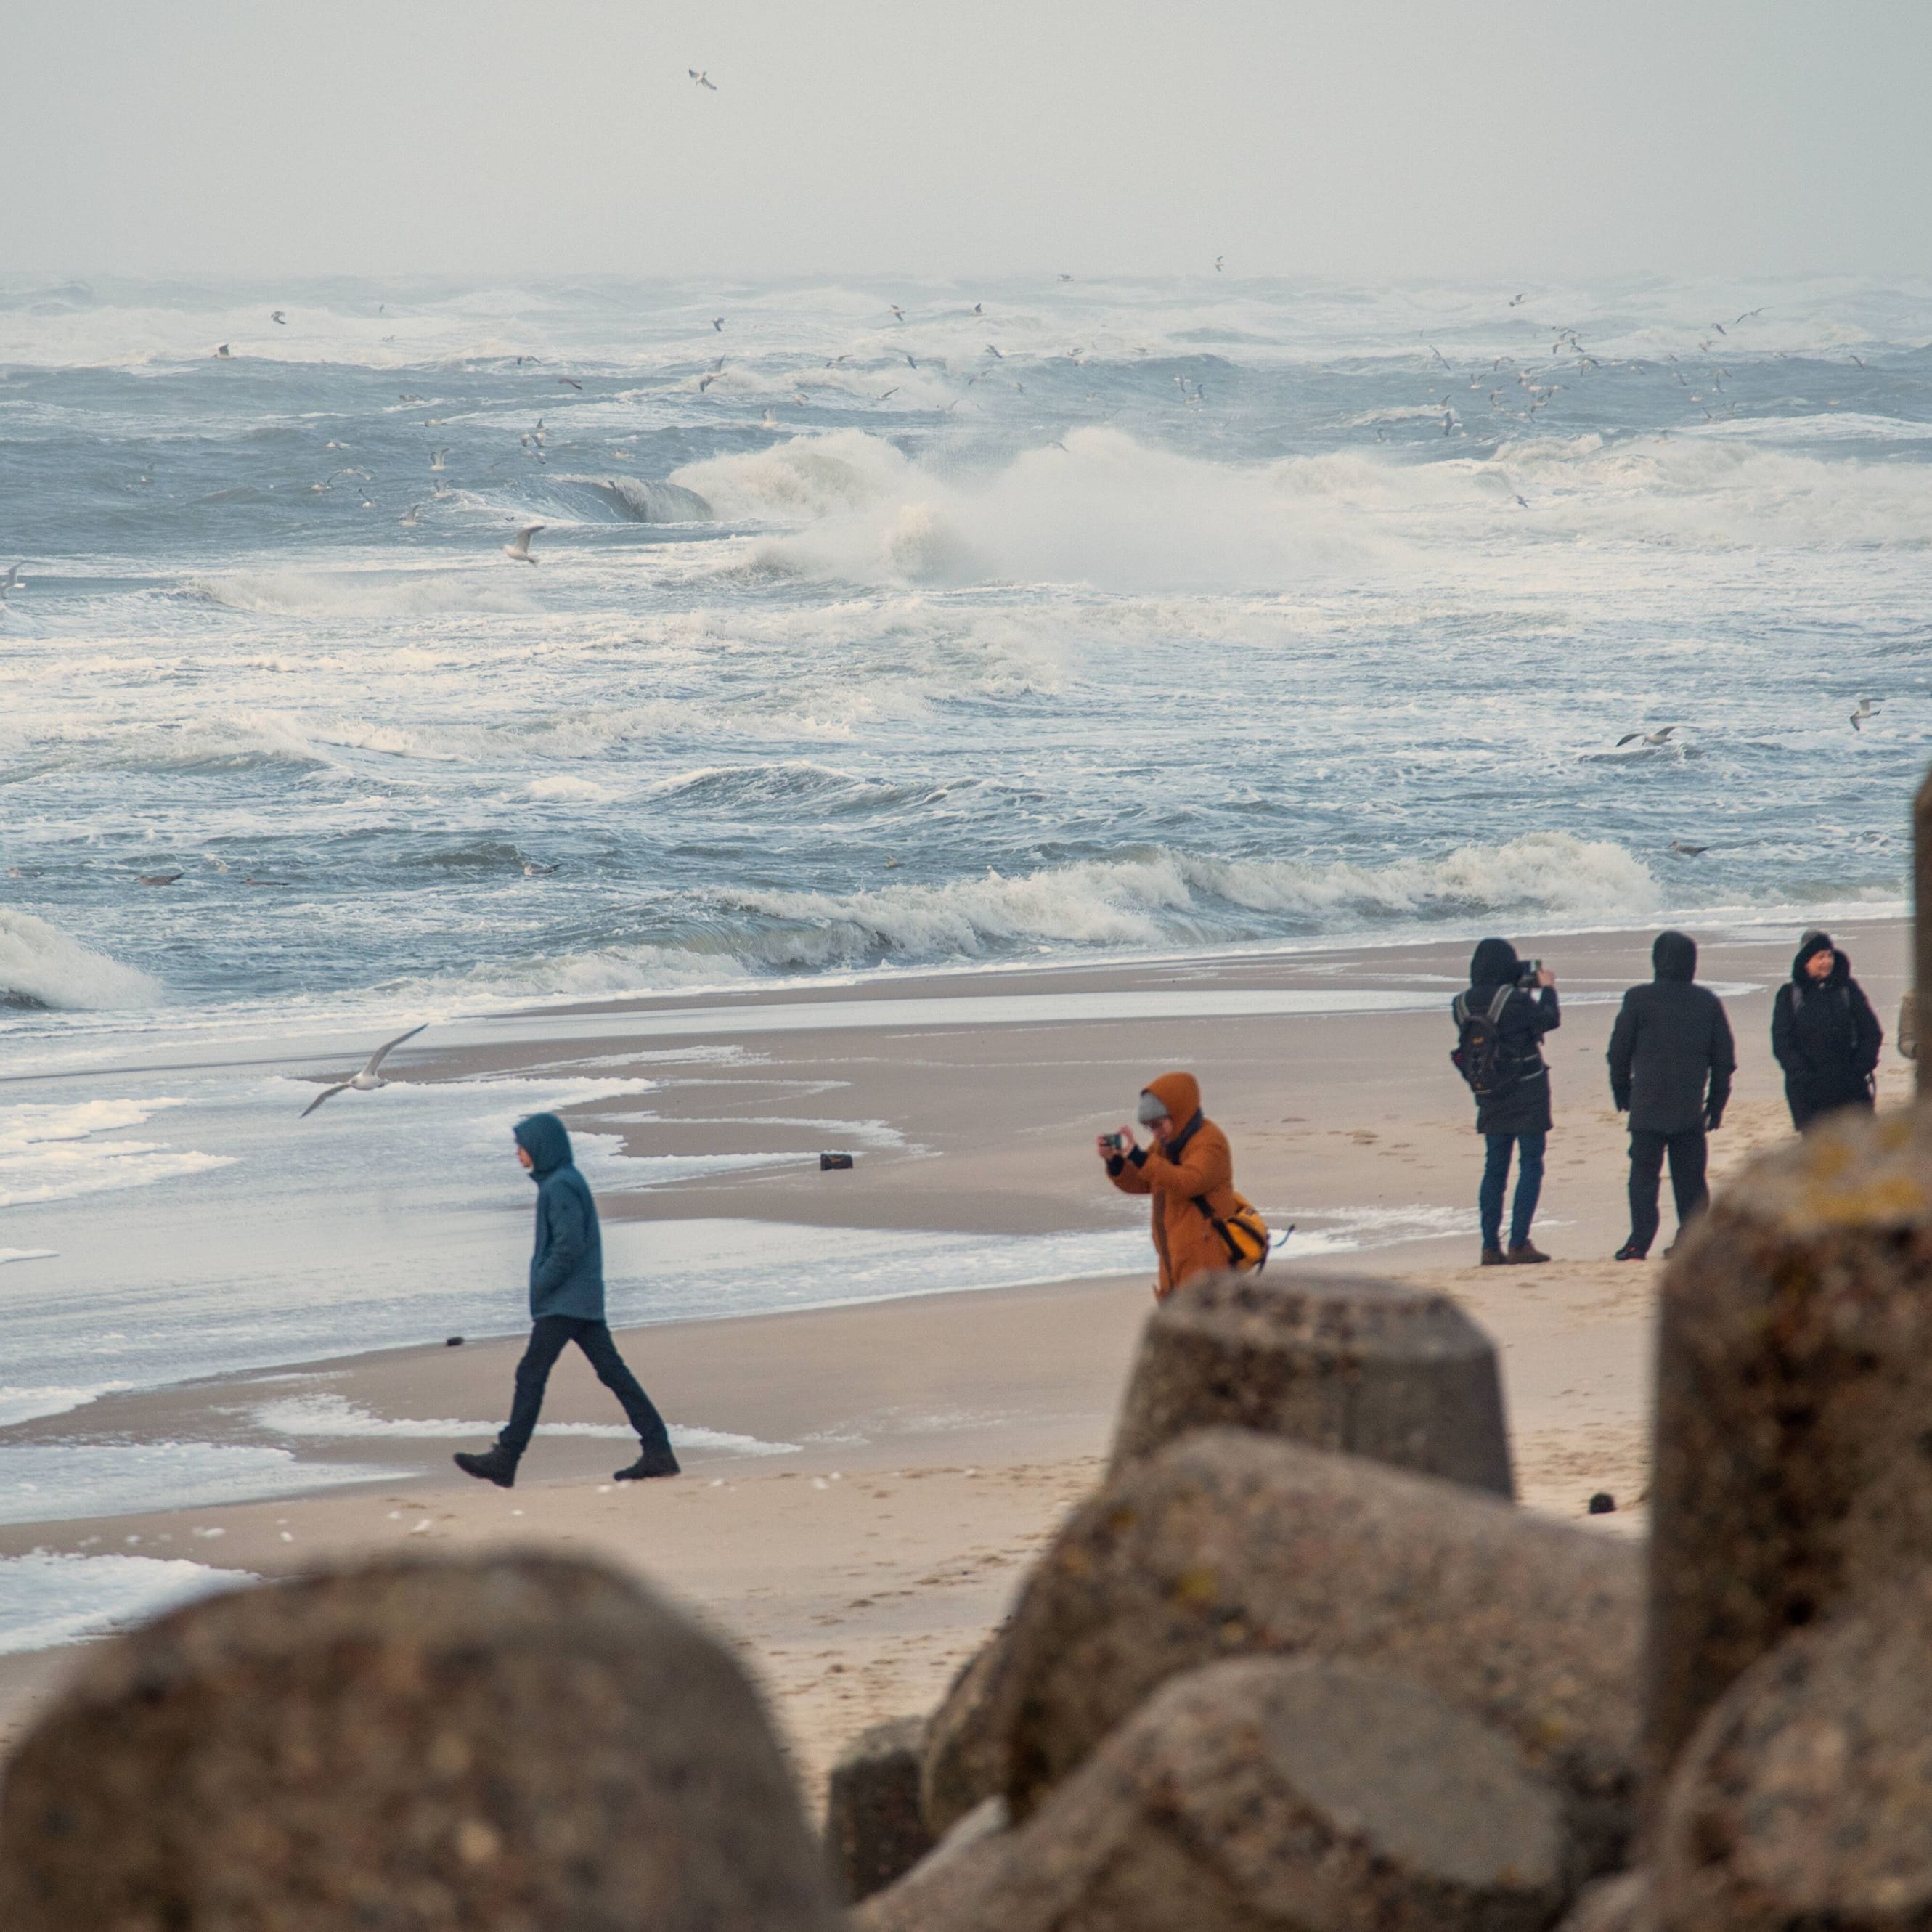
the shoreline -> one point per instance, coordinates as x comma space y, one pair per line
866, 1477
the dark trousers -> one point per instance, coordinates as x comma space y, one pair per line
550, 1336
1687, 1151
1495, 1184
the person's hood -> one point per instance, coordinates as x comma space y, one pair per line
547, 1141
1180, 1093
1809, 947
1494, 963
1674, 955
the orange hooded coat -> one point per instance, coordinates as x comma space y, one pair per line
1185, 1239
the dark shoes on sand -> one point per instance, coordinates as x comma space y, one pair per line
1522, 1254
492, 1467
496, 1467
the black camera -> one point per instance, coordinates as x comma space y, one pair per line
1115, 1143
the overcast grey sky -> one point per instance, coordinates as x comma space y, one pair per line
1363, 138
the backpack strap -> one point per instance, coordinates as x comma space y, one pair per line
1496, 1005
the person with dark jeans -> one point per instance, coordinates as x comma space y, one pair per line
1513, 1107
1672, 1058
567, 1305
1824, 1034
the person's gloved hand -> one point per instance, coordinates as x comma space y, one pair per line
1714, 1119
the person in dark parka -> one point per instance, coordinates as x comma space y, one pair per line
1672, 1058
1824, 1033
567, 1305
1517, 1119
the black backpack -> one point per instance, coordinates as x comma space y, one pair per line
1479, 1056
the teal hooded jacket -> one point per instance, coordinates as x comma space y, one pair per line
567, 1268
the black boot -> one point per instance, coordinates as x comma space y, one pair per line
498, 1466
651, 1462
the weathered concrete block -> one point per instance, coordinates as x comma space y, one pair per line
1794, 1408
1804, 1798
875, 1830
965, 1756
1625, 1902
1337, 1362
516, 1742
1261, 1793
1230, 1543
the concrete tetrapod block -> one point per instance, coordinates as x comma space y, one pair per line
1794, 1408
514, 1742
1339, 1362
1804, 1799
875, 1830
965, 1756
1269, 1793
1229, 1542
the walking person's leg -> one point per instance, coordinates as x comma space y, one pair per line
1490, 1198
656, 1457
1690, 1152
1646, 1173
548, 1335
1528, 1192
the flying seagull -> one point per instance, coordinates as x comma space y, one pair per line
411, 516
519, 546
369, 1078
568, 384
1659, 737
436, 457
1747, 316
11, 581
703, 80
897, 310
221, 352
1218, 260
1514, 302
1867, 708
278, 316
718, 323
1684, 851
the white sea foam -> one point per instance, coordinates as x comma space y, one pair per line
25, 1403
56, 1482
40, 963
49, 1151
48, 1598
328, 1417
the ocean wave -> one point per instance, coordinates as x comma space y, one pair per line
446, 591
635, 501
56, 1152
40, 966
1165, 897
57, 1598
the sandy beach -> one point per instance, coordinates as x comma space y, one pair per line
864, 1482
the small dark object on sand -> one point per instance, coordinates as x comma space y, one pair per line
1603, 1504
454, 1342
828, 1162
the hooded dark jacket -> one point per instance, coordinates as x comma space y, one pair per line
567, 1268
1671, 1056
1825, 1035
1524, 1107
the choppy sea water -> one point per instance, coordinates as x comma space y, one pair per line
1050, 619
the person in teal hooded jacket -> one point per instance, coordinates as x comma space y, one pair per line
567, 1305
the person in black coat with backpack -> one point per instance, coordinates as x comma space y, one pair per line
1672, 1059
1824, 1033
1500, 1022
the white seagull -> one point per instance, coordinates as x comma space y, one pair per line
278, 316
1660, 736
1867, 708
11, 581
702, 79
369, 1078
519, 546
436, 457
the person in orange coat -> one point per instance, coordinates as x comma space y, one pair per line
1189, 1163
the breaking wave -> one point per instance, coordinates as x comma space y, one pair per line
636, 501
40, 966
